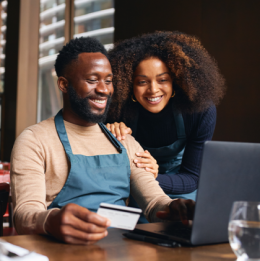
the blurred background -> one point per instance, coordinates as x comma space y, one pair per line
33, 31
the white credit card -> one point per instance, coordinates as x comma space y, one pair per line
120, 216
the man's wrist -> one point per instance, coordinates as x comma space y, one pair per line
47, 226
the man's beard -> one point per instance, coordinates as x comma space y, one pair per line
82, 108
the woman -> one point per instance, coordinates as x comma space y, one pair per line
167, 86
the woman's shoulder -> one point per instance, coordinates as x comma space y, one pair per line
205, 120
209, 113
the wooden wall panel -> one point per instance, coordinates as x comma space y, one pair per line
26, 112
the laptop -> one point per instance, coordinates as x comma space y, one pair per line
230, 171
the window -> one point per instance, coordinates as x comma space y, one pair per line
94, 18
51, 40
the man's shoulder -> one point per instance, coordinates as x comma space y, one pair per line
39, 131
131, 144
46, 126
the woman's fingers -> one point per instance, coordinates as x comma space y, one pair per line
119, 130
143, 154
129, 130
122, 129
153, 171
146, 154
143, 160
146, 161
112, 129
108, 126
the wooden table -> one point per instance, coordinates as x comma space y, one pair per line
116, 247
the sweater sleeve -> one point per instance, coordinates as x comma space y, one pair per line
143, 187
186, 181
28, 185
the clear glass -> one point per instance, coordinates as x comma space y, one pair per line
244, 230
95, 18
3, 12
51, 40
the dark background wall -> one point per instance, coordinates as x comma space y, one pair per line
230, 31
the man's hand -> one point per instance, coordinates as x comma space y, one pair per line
74, 224
119, 130
179, 209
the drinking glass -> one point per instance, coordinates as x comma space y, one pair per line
244, 230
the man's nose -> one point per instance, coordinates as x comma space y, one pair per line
103, 88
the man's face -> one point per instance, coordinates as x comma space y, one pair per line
90, 86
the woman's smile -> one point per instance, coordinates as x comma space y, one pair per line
154, 100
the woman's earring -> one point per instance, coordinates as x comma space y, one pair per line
133, 98
173, 94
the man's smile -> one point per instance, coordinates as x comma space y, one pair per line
99, 103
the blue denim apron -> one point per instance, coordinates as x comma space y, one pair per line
93, 179
169, 159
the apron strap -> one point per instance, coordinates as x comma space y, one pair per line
112, 138
133, 124
179, 123
60, 127
180, 128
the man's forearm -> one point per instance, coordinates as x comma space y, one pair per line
148, 194
30, 221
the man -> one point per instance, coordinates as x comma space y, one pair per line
64, 167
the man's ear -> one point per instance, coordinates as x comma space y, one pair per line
63, 84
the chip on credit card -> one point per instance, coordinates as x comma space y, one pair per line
120, 216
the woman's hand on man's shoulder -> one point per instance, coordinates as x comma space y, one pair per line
119, 130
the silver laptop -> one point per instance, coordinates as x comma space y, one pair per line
230, 171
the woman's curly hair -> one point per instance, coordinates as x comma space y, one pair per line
196, 77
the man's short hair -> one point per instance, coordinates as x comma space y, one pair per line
73, 48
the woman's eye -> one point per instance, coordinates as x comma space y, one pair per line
108, 82
141, 82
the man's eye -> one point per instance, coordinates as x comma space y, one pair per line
91, 81
163, 80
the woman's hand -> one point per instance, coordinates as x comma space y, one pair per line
147, 161
119, 130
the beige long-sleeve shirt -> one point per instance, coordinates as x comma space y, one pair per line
39, 169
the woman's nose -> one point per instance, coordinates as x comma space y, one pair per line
154, 87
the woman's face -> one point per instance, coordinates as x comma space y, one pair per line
152, 84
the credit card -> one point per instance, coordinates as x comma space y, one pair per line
120, 216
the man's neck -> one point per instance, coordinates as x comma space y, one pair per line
70, 116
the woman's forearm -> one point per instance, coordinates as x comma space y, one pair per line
181, 183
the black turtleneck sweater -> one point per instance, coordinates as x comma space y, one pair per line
158, 129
